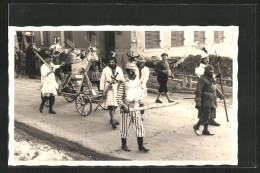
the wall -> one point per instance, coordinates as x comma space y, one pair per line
223, 49
122, 46
37, 38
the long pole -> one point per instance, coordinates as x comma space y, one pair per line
222, 86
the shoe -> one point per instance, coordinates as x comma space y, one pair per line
52, 112
171, 101
213, 123
117, 123
158, 101
41, 109
207, 133
196, 130
142, 148
125, 148
114, 125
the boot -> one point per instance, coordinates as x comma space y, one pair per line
213, 122
41, 109
196, 128
124, 147
206, 131
44, 99
140, 145
52, 100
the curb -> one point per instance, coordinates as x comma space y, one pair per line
65, 143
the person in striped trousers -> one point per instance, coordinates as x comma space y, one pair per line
128, 96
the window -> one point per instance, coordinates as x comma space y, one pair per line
177, 38
46, 38
219, 36
68, 35
199, 36
152, 39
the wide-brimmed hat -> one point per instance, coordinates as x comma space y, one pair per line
130, 66
140, 59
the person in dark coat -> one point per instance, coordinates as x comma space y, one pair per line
206, 99
163, 71
31, 61
200, 71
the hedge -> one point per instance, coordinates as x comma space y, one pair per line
187, 65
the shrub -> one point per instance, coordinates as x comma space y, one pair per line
188, 64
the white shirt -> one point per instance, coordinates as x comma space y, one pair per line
144, 76
200, 70
51, 77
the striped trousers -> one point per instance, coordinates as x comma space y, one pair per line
136, 119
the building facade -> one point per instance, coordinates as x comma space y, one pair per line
177, 43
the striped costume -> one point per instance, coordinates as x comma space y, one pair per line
129, 94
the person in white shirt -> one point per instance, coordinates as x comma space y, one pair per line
49, 84
143, 74
109, 82
143, 77
199, 71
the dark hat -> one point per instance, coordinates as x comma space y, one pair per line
164, 54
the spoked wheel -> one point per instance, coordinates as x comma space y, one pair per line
69, 98
47, 104
83, 104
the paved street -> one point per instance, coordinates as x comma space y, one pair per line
169, 132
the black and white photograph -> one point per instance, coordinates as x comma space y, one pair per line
123, 95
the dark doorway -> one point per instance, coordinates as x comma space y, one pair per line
109, 43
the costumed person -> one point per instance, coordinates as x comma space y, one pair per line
206, 99
128, 96
163, 71
49, 84
93, 73
109, 85
199, 71
31, 60
143, 77
132, 60
56, 50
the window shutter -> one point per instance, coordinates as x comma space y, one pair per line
177, 38
152, 39
199, 36
218, 36
156, 39
148, 39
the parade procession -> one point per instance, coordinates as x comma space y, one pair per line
102, 88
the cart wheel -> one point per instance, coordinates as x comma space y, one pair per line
69, 98
83, 104
47, 104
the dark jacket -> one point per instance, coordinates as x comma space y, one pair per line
207, 92
162, 68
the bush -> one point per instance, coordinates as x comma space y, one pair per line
188, 64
